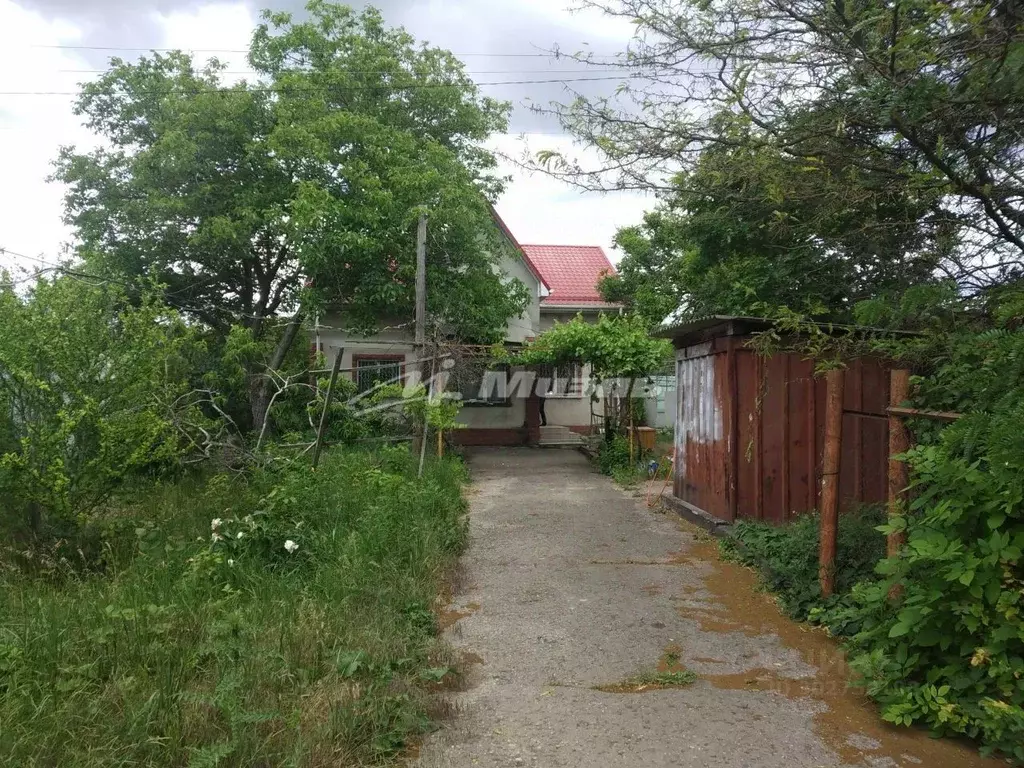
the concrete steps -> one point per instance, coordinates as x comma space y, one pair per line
554, 436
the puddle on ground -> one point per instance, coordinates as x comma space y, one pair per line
448, 616
850, 723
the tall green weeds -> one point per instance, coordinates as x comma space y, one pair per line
786, 558
283, 620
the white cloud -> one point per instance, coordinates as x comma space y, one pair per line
226, 28
33, 127
540, 209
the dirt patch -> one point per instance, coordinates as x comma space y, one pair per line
449, 615
850, 723
670, 673
677, 558
652, 589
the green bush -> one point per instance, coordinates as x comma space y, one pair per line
93, 392
949, 651
202, 648
786, 557
613, 455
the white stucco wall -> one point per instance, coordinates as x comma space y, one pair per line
395, 341
527, 325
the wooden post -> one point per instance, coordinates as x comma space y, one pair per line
440, 443
830, 480
423, 437
327, 407
421, 285
899, 443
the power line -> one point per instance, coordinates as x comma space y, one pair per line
382, 71
548, 55
15, 254
324, 88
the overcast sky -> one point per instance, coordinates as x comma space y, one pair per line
491, 36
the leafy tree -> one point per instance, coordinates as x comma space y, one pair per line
907, 104
618, 347
299, 190
93, 390
614, 346
749, 230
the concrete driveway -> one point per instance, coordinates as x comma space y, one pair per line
572, 585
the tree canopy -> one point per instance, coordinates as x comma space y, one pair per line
877, 142
618, 346
299, 189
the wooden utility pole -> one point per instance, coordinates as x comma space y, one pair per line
327, 407
830, 480
421, 322
421, 285
899, 443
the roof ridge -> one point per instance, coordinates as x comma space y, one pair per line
560, 245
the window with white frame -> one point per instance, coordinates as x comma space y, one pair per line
564, 380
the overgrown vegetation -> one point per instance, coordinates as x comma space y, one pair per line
261, 203
949, 652
283, 618
177, 585
786, 557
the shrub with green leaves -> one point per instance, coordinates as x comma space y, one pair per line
949, 651
92, 392
786, 557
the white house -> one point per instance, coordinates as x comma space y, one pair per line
563, 282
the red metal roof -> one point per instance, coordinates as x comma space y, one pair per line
572, 272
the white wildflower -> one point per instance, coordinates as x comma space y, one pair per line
215, 537
215, 523
240, 534
290, 546
231, 563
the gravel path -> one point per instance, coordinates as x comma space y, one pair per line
571, 584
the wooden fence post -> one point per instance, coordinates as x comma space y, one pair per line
830, 480
899, 443
327, 407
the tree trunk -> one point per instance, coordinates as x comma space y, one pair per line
260, 391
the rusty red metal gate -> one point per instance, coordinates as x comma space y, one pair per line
750, 430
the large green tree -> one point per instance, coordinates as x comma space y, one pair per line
750, 229
908, 105
297, 190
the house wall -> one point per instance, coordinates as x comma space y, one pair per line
395, 341
573, 412
660, 405
527, 325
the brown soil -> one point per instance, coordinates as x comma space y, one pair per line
847, 712
448, 616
